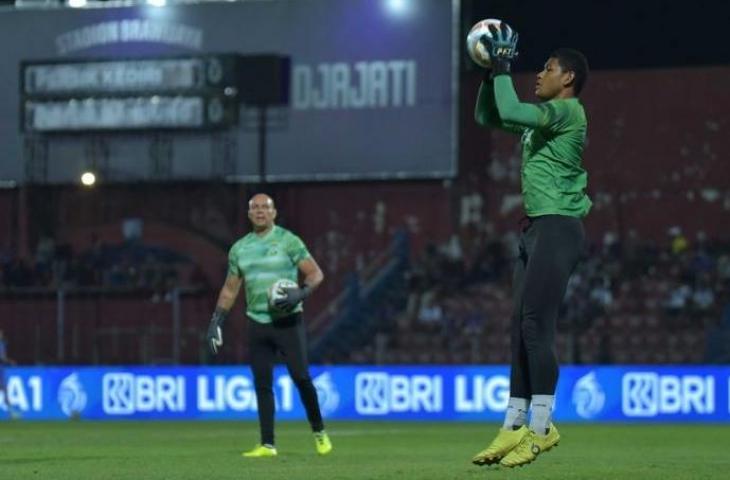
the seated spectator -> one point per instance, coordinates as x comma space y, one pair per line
703, 298
679, 244
723, 269
601, 293
678, 298
430, 312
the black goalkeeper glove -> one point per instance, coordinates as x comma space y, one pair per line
502, 48
292, 297
215, 330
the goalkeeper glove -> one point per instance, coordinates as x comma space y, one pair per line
502, 47
292, 297
215, 330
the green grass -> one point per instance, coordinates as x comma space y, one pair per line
363, 450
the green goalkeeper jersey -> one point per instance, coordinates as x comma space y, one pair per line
262, 260
553, 138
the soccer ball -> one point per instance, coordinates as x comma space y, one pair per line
475, 48
276, 291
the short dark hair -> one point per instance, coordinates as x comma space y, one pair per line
573, 61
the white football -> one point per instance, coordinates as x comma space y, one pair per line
475, 48
276, 290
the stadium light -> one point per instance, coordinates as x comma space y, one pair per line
157, 3
398, 8
76, 3
88, 179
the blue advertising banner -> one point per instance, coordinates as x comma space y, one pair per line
430, 393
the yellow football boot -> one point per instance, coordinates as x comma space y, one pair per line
530, 447
260, 451
322, 442
503, 443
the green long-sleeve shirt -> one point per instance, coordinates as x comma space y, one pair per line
553, 138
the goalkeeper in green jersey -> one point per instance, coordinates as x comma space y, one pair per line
267, 254
553, 181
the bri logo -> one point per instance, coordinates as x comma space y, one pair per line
125, 393
379, 393
648, 394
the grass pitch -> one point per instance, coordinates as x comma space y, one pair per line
362, 450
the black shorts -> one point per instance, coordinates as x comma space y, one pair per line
287, 337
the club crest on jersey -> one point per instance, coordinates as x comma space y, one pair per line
273, 249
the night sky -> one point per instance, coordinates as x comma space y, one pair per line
615, 34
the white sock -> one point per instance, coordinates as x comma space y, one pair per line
516, 415
542, 412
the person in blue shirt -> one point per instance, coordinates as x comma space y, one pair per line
5, 361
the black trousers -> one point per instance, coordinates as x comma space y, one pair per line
550, 247
288, 337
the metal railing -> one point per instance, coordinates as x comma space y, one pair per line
105, 326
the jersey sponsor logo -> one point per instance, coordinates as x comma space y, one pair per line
588, 396
380, 393
327, 394
126, 393
481, 393
648, 394
71, 395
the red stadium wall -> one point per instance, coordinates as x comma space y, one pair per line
111, 329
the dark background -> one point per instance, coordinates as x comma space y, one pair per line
614, 34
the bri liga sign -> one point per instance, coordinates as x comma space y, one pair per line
430, 393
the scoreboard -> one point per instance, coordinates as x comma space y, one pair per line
194, 92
